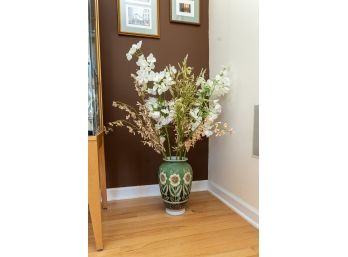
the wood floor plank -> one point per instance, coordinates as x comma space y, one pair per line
140, 227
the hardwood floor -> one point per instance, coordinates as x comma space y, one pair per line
140, 227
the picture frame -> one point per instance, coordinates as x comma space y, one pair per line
138, 18
185, 11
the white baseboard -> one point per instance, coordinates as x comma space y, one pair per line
120, 193
249, 213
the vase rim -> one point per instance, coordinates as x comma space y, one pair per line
175, 159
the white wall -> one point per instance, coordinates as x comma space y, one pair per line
233, 39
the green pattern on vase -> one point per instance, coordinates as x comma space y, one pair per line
175, 181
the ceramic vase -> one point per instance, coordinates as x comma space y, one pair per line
175, 181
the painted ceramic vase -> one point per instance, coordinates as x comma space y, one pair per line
175, 180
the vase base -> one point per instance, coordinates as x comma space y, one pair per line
175, 212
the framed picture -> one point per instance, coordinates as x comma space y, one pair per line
138, 18
185, 11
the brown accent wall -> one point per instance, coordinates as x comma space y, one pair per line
128, 161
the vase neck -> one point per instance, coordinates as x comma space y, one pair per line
175, 159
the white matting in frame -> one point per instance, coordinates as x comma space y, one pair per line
144, 2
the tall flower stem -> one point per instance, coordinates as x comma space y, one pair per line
170, 153
184, 153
